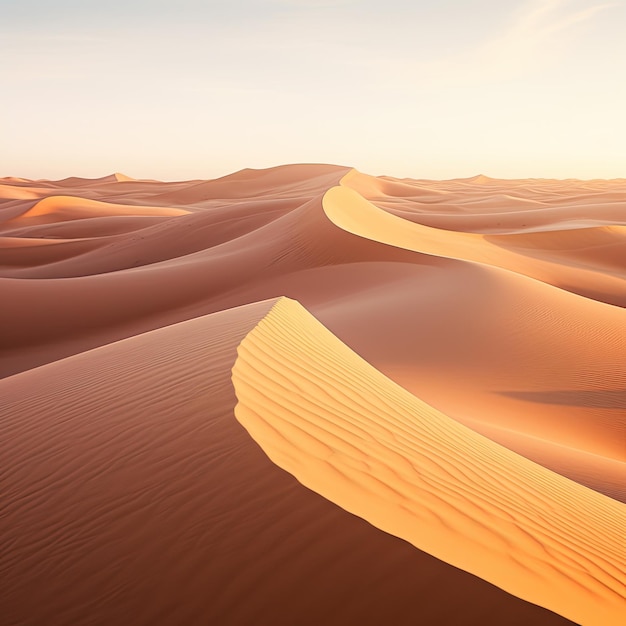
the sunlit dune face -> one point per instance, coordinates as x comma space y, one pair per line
348, 433
305, 395
386, 392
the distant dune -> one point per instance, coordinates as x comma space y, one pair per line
306, 395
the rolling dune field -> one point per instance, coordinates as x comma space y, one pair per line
307, 395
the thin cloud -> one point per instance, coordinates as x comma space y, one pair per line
536, 37
581, 16
530, 39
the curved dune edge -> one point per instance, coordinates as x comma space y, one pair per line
131, 495
348, 209
347, 432
67, 208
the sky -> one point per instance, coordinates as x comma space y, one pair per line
199, 89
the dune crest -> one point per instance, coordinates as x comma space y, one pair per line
349, 433
537, 258
497, 306
131, 480
66, 208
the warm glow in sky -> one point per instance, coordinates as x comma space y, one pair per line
197, 89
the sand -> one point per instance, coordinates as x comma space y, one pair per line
347, 432
429, 428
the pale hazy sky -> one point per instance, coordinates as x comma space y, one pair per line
197, 89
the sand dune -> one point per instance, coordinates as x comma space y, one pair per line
66, 208
275, 182
345, 431
12, 191
577, 263
471, 402
132, 491
536, 361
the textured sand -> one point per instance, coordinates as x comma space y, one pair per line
347, 432
470, 402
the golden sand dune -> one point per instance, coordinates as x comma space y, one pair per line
585, 262
497, 306
66, 208
132, 495
505, 355
347, 432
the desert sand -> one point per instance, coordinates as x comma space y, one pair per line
308, 395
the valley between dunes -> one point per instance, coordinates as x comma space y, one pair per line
308, 395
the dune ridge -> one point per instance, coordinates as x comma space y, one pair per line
497, 306
131, 493
111, 277
66, 208
347, 432
588, 276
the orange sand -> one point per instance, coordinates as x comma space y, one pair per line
471, 401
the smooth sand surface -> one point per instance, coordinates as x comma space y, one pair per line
462, 433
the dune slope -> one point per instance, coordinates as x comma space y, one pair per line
132, 495
130, 492
345, 431
581, 260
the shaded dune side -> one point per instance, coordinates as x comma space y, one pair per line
131, 493
87, 228
505, 206
601, 249
486, 328
583, 262
223, 209
347, 432
244, 251
435, 317
136, 192
29, 252
280, 181
78, 181
537, 369
165, 240
66, 316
